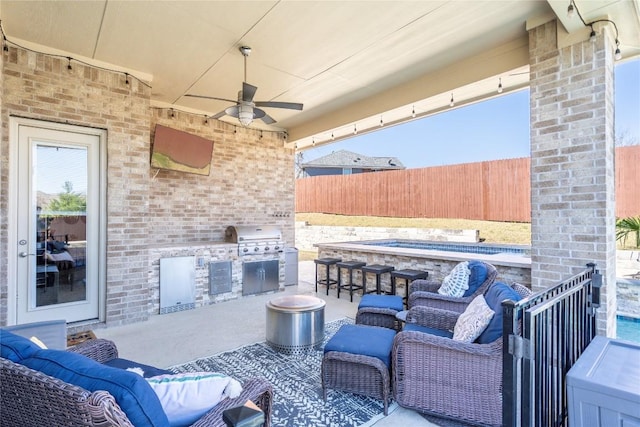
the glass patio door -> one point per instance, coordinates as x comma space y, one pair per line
58, 191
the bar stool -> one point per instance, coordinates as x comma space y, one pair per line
327, 281
378, 270
349, 266
408, 275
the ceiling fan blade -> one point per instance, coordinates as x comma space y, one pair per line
274, 104
212, 97
232, 111
268, 119
258, 113
248, 92
220, 114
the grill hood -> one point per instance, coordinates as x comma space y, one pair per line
252, 233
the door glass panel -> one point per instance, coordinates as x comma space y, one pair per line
60, 213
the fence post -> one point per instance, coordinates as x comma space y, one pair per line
510, 363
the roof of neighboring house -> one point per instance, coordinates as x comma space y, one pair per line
349, 159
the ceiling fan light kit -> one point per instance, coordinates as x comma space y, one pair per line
245, 109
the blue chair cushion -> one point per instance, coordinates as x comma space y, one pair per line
497, 293
15, 347
427, 330
149, 371
393, 302
132, 392
371, 341
477, 277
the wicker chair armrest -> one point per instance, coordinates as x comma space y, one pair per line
258, 390
433, 317
104, 405
100, 350
31, 398
424, 285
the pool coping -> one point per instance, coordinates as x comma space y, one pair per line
503, 259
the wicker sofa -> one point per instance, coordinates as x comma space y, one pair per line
31, 398
447, 378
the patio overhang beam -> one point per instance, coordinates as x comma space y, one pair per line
499, 61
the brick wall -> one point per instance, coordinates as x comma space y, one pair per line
572, 162
251, 181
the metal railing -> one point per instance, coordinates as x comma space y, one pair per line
544, 336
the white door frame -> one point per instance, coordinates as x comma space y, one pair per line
12, 210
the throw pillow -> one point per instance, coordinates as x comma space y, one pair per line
15, 347
132, 393
457, 281
38, 342
186, 397
477, 277
473, 321
497, 293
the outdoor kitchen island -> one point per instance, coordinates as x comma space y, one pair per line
216, 271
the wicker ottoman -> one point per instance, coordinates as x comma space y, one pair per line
380, 310
357, 359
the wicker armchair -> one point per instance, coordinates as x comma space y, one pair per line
30, 398
425, 293
447, 378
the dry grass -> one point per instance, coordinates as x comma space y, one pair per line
490, 231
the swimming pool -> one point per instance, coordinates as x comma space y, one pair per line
478, 248
628, 328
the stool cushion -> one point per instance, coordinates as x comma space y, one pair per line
393, 302
424, 329
365, 340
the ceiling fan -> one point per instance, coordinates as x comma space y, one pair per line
245, 109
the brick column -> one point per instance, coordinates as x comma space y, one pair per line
572, 162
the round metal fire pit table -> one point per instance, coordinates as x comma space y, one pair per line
295, 323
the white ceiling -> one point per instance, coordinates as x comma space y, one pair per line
351, 63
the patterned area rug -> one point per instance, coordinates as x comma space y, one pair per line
296, 383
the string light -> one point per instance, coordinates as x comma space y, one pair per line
68, 58
571, 10
172, 114
500, 85
126, 78
313, 141
332, 136
592, 36
618, 54
413, 111
381, 122
355, 129
451, 103
206, 120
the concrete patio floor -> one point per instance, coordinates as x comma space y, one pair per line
176, 338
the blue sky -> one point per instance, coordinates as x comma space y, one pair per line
490, 130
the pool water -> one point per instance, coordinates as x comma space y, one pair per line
628, 328
449, 247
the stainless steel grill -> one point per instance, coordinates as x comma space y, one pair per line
255, 239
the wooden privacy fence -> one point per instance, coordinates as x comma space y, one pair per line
498, 190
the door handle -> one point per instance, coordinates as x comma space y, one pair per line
24, 254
